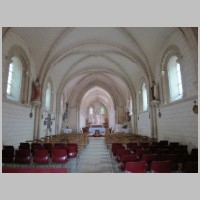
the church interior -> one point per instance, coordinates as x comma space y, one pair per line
100, 99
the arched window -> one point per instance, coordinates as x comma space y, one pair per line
130, 101
14, 80
48, 97
171, 75
143, 103
144, 96
91, 110
102, 110
175, 79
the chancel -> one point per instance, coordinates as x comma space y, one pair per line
121, 99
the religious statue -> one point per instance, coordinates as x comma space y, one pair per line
36, 91
64, 117
128, 117
154, 91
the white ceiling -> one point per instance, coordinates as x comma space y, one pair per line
107, 56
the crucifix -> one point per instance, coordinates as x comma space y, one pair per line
48, 122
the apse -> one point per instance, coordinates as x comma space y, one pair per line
97, 107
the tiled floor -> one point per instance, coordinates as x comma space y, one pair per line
94, 159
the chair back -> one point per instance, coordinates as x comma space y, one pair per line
190, 167
135, 167
41, 156
161, 166
59, 155
23, 156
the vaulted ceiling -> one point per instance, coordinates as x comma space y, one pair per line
81, 58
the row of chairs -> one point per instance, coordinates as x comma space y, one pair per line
122, 154
39, 154
159, 167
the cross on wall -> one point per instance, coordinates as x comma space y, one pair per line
48, 121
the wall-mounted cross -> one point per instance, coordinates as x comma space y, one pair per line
48, 122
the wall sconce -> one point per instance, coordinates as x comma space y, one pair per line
159, 113
195, 108
31, 114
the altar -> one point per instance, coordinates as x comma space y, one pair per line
96, 127
67, 130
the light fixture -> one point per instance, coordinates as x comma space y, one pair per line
159, 114
195, 108
31, 114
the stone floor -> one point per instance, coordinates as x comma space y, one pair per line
95, 158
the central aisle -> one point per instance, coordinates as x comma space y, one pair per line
95, 158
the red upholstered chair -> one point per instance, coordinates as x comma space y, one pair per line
173, 158
7, 156
126, 158
41, 156
194, 151
194, 155
140, 152
23, 156
10, 147
134, 148
131, 144
59, 145
116, 146
161, 166
120, 152
190, 167
135, 167
144, 144
148, 158
24, 145
36, 145
72, 150
163, 143
59, 156
48, 146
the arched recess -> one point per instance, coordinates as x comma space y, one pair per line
144, 119
96, 97
117, 97
48, 83
19, 52
169, 52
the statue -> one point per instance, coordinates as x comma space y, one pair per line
36, 91
64, 117
128, 117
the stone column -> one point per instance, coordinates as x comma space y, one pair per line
153, 116
37, 118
